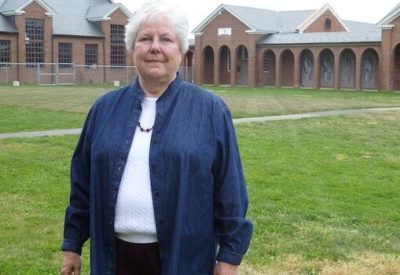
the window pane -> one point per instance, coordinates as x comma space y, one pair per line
117, 45
5, 52
34, 41
65, 55
90, 54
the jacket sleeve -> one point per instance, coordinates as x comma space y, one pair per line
77, 217
233, 231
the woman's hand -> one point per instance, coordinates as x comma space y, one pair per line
71, 264
222, 268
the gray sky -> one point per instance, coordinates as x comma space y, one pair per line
356, 10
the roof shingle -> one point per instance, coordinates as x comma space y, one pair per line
71, 17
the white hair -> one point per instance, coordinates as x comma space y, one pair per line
148, 10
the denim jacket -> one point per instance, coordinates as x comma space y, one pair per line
197, 183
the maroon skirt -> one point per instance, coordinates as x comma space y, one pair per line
138, 259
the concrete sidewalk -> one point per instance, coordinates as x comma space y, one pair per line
314, 114
63, 132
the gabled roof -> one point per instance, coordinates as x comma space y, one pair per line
290, 20
316, 15
70, 17
72, 21
286, 27
358, 33
319, 37
393, 14
102, 12
16, 7
258, 20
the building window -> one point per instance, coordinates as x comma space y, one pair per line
328, 24
90, 55
118, 45
34, 41
5, 53
64, 55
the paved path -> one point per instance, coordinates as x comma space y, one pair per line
314, 114
64, 132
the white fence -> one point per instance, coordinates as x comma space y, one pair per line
70, 74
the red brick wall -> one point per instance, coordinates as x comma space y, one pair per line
36, 11
33, 11
98, 75
78, 48
319, 24
238, 37
83, 74
285, 74
291, 72
117, 18
13, 38
389, 74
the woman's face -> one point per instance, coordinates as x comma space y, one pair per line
156, 52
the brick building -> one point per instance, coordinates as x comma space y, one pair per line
308, 48
66, 42
37, 34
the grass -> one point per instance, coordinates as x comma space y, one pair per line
253, 102
33, 193
29, 108
323, 191
20, 119
26, 108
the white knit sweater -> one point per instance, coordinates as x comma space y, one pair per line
134, 213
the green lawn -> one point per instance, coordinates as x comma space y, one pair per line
26, 108
324, 189
324, 192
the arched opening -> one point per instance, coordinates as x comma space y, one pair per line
225, 65
307, 68
187, 69
208, 63
269, 68
326, 67
369, 70
287, 69
242, 67
347, 69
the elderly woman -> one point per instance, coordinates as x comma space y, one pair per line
156, 177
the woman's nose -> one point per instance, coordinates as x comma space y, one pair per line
155, 46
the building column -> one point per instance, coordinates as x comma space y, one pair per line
251, 65
358, 72
386, 75
317, 72
296, 70
278, 60
217, 64
234, 72
198, 59
336, 72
